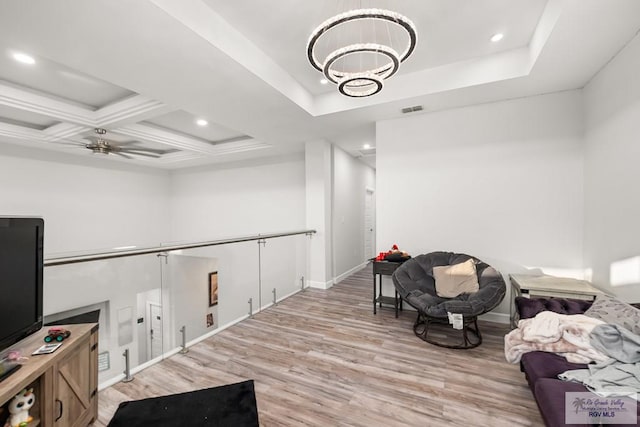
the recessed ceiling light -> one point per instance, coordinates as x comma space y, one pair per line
202, 122
24, 58
324, 81
366, 146
122, 248
497, 37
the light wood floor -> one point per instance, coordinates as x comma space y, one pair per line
323, 358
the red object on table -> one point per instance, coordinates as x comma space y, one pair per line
56, 334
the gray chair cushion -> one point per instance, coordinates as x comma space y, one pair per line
416, 285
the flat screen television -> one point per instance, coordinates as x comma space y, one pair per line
21, 265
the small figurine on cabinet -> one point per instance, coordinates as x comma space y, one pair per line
57, 334
19, 408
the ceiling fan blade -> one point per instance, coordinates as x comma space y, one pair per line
140, 153
147, 150
117, 153
126, 143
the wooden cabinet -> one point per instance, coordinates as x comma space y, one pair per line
64, 382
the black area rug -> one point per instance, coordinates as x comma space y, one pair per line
229, 405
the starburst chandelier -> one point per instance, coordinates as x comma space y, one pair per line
359, 49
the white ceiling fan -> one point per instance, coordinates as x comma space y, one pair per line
99, 145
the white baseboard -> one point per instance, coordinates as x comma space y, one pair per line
212, 333
496, 317
337, 279
287, 296
110, 382
348, 273
264, 307
320, 285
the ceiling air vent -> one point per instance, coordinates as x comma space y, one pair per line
412, 109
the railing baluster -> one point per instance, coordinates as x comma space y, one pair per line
184, 348
127, 367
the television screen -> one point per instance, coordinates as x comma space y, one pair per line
21, 264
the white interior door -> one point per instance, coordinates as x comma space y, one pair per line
369, 225
155, 330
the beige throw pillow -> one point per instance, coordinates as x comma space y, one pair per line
456, 279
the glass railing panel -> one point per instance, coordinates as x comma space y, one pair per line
283, 262
142, 297
206, 288
124, 290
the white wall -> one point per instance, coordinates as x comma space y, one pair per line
99, 205
501, 181
318, 178
211, 203
90, 204
351, 178
612, 170
188, 298
234, 200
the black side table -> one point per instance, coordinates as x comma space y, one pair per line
384, 268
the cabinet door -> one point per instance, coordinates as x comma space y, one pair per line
73, 387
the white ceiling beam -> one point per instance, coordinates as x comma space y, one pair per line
20, 132
62, 131
152, 134
21, 99
77, 120
130, 110
184, 142
238, 147
179, 157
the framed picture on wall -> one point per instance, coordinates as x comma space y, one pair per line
213, 289
209, 320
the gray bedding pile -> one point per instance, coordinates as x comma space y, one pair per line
617, 376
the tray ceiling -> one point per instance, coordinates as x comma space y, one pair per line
241, 66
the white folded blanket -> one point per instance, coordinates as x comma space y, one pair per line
564, 334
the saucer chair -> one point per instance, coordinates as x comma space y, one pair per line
415, 281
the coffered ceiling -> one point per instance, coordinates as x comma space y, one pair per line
148, 70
